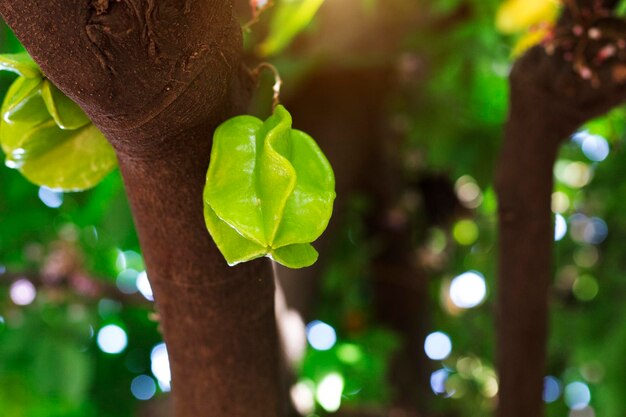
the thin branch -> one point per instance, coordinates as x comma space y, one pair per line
278, 81
256, 14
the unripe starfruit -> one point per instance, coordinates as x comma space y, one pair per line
269, 191
46, 136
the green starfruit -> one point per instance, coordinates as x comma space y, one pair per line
269, 191
46, 136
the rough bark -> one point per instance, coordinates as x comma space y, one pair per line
157, 77
549, 100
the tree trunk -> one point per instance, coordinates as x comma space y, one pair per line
157, 77
549, 99
524, 185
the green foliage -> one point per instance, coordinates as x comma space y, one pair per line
362, 361
289, 18
269, 191
46, 136
364, 348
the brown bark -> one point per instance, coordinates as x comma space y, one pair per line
549, 100
524, 184
157, 77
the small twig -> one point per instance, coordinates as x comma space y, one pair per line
256, 15
278, 82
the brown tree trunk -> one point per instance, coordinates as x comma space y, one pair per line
549, 100
524, 185
157, 77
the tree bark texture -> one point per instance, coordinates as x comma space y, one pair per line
157, 77
550, 98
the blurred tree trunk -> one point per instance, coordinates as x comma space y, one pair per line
550, 97
349, 122
345, 107
157, 77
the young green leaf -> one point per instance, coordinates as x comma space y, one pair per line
289, 19
269, 191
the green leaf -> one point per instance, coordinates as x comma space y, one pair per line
20, 63
289, 19
64, 111
69, 160
269, 191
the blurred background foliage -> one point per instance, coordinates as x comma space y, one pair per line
78, 333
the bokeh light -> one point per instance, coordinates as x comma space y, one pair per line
51, 198
560, 202
585, 288
437, 346
350, 353
468, 192
465, 232
329, 391
468, 290
595, 231
128, 259
127, 281
303, 397
577, 395
560, 227
551, 389
320, 335
595, 147
438, 381
143, 387
573, 174
22, 292
592, 230
112, 339
160, 366
143, 285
